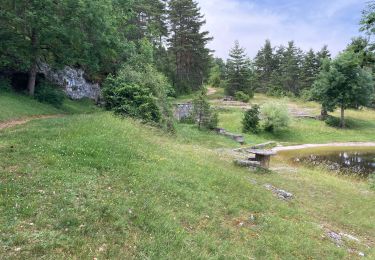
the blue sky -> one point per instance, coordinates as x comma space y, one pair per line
310, 23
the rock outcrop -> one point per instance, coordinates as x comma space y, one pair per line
73, 81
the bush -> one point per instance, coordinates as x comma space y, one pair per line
306, 95
240, 96
5, 84
333, 121
139, 93
203, 113
251, 120
47, 92
275, 116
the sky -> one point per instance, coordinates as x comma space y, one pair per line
310, 23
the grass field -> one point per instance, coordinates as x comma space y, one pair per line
97, 186
14, 106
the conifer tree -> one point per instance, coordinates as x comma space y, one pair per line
264, 65
291, 68
239, 72
188, 45
310, 69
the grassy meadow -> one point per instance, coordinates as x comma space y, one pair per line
94, 185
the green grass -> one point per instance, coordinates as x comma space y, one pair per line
15, 106
97, 186
362, 125
90, 186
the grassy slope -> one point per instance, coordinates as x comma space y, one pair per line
15, 106
89, 186
362, 125
97, 186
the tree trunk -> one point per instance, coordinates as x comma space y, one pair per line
323, 114
342, 122
33, 68
32, 79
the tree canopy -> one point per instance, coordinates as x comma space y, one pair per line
343, 83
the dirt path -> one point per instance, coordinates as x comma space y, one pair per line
21, 121
211, 91
304, 146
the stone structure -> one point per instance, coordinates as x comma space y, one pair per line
238, 138
73, 81
183, 111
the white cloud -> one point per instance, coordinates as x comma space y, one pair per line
251, 24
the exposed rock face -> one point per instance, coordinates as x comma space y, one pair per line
73, 82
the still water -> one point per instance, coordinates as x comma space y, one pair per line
360, 163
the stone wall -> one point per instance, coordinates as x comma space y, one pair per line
73, 82
182, 111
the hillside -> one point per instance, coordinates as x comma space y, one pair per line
97, 186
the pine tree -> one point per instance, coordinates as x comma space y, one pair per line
310, 69
188, 45
291, 69
239, 72
150, 19
264, 64
323, 54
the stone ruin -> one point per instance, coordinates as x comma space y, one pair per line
182, 111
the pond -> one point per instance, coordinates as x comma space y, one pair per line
352, 161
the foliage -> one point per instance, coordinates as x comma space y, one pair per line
240, 96
264, 64
47, 92
138, 94
188, 45
333, 121
40, 31
203, 113
215, 77
251, 119
343, 83
239, 74
5, 84
368, 19
274, 116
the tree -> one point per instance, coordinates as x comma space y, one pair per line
187, 45
80, 33
202, 112
309, 70
264, 65
291, 69
150, 20
361, 47
239, 72
368, 21
343, 83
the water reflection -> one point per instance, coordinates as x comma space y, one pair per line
358, 163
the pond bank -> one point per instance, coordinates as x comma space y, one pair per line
305, 146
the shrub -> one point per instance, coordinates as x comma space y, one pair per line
47, 92
5, 84
275, 116
251, 120
306, 95
240, 96
203, 113
139, 93
333, 121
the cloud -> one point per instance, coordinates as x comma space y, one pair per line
310, 24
